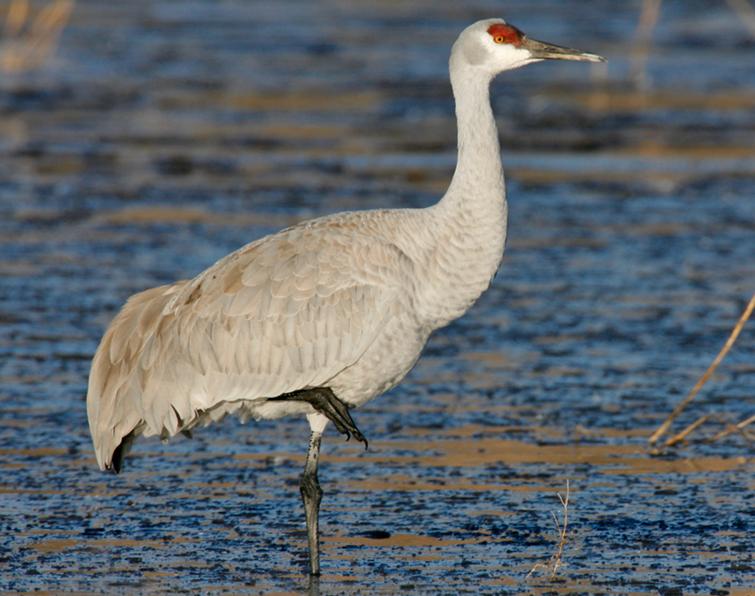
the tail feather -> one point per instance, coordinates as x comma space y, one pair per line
116, 461
114, 392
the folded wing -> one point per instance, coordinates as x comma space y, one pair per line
287, 312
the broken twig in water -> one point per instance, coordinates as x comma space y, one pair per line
733, 428
680, 436
555, 560
663, 428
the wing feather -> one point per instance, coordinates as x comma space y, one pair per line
286, 312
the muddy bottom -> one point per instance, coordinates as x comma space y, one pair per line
162, 136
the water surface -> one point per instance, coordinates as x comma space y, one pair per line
164, 135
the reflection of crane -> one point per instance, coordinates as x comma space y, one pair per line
322, 316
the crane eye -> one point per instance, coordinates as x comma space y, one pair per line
504, 33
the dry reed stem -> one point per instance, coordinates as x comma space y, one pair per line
18, 12
746, 13
733, 428
680, 436
556, 558
708, 373
26, 43
640, 51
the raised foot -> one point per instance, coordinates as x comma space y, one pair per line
325, 401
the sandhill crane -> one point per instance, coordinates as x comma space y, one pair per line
325, 315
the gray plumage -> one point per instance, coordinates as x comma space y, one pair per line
326, 314
346, 301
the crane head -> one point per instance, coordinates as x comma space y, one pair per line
495, 45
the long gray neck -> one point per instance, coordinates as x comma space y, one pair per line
469, 230
478, 178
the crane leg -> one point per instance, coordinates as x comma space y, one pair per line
325, 401
311, 494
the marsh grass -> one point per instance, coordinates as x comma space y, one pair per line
30, 35
556, 560
666, 425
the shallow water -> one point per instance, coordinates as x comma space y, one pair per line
164, 135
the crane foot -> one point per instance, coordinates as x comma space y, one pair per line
325, 401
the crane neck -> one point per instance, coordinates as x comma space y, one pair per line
470, 220
478, 177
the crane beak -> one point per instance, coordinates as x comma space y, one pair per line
548, 51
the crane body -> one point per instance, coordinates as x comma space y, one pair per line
321, 317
